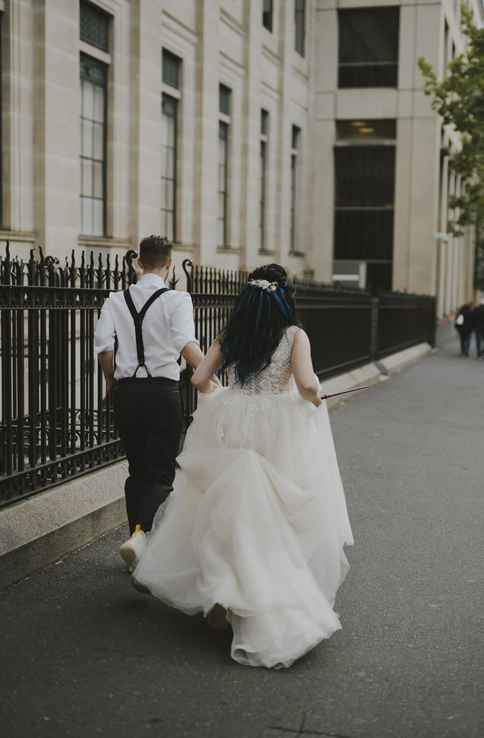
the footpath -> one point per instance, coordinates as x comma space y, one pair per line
83, 654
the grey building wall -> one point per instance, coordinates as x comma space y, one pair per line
221, 42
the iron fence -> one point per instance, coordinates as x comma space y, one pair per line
55, 421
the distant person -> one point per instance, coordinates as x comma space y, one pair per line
464, 325
139, 338
478, 326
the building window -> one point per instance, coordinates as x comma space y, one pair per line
365, 130
225, 95
93, 146
364, 202
300, 26
169, 114
295, 154
94, 26
267, 14
368, 47
264, 142
171, 79
171, 66
446, 46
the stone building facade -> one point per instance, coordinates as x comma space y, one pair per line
245, 130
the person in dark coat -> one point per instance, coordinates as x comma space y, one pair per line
478, 327
464, 324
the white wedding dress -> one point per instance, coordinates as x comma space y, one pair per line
257, 519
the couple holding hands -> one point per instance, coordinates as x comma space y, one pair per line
250, 530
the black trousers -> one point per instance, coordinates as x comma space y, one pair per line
149, 418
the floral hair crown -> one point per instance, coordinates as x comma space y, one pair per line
263, 284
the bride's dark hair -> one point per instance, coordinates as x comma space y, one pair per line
257, 322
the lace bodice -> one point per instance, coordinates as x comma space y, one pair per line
276, 377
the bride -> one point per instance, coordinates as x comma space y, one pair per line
253, 533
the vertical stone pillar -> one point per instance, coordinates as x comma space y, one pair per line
320, 161
206, 179
17, 116
56, 125
441, 245
416, 195
283, 176
145, 185
249, 235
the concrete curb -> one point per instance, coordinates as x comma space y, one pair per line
43, 528
40, 529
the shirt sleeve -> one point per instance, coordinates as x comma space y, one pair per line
181, 322
105, 334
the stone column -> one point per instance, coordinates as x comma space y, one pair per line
145, 186
17, 116
251, 116
283, 176
320, 163
416, 192
57, 129
206, 179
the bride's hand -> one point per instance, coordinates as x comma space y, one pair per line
317, 401
210, 387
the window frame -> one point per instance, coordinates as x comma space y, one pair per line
172, 92
263, 180
101, 13
372, 261
268, 15
170, 99
296, 136
224, 124
300, 27
369, 64
91, 60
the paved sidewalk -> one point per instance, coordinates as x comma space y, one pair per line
85, 655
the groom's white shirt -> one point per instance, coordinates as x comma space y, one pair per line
168, 327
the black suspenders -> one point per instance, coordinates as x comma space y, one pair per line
138, 324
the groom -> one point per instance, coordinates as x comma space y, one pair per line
139, 338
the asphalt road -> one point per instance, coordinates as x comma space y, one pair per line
85, 655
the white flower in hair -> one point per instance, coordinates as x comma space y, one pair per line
263, 284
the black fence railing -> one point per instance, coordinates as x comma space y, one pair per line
55, 421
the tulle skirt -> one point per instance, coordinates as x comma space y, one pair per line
256, 522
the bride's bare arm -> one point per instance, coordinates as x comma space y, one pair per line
205, 371
302, 368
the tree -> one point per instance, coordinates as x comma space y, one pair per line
459, 100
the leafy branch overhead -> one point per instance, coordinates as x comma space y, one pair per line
459, 99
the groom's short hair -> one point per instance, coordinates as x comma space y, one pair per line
154, 251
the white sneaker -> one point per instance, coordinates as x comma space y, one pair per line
132, 549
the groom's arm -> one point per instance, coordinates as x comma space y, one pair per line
205, 373
192, 354
104, 340
106, 360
